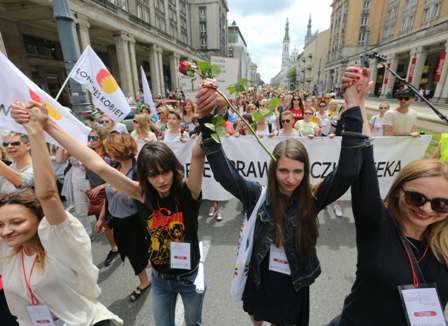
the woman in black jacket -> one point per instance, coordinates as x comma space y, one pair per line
284, 262
411, 221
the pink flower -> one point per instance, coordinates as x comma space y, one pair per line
184, 67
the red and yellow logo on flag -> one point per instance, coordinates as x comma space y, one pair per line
106, 81
52, 112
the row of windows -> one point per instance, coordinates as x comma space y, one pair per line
431, 11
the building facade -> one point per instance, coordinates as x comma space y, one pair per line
354, 29
412, 35
126, 34
209, 27
238, 50
312, 61
414, 40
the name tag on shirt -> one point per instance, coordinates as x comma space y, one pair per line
180, 255
422, 305
40, 315
278, 261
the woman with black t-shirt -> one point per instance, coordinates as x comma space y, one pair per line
173, 224
401, 241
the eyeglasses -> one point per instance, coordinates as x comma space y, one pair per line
13, 143
383, 108
286, 121
416, 199
405, 98
92, 138
308, 113
104, 121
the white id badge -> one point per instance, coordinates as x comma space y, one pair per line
278, 261
40, 315
422, 305
180, 255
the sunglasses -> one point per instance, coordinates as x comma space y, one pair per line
92, 138
13, 143
286, 121
416, 199
104, 121
405, 98
308, 113
383, 107
134, 121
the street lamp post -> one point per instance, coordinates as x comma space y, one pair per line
70, 50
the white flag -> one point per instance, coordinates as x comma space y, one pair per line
17, 86
147, 95
107, 96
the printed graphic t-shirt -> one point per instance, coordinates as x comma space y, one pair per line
175, 218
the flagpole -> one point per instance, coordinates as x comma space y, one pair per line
63, 86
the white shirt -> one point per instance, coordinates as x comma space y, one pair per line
121, 128
401, 123
377, 124
290, 133
7, 188
68, 282
150, 138
169, 136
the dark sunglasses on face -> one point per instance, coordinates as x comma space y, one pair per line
13, 143
134, 121
405, 98
308, 113
383, 107
104, 121
92, 138
416, 199
286, 121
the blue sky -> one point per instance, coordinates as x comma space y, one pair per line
262, 23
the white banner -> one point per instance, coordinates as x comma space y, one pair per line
91, 72
16, 86
391, 155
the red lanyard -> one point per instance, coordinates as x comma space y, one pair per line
34, 300
415, 280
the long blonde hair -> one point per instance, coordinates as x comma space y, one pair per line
437, 233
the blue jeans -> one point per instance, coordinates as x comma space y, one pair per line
164, 296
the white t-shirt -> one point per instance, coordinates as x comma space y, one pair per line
150, 138
291, 133
7, 188
121, 128
401, 123
377, 124
68, 282
169, 136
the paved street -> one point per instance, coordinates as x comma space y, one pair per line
336, 251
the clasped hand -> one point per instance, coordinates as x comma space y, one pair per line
32, 115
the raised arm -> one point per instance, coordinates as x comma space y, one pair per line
44, 178
355, 137
194, 180
223, 170
81, 152
13, 176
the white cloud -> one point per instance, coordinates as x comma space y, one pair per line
263, 28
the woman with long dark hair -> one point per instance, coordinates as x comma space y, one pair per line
283, 263
173, 224
46, 252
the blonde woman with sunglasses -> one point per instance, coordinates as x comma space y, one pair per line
402, 243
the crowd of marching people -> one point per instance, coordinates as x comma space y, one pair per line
128, 185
